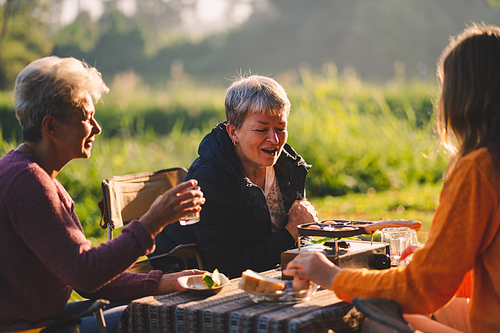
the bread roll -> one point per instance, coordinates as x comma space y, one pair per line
257, 283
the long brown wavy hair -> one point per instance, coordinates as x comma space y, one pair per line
468, 113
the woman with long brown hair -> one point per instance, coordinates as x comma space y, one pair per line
464, 239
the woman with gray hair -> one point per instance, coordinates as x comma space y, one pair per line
43, 250
253, 181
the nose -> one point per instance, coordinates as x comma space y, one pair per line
273, 137
96, 128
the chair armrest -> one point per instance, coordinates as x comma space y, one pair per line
384, 311
71, 324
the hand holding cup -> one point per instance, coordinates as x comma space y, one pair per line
193, 217
173, 205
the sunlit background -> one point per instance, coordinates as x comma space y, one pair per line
202, 17
212, 40
360, 75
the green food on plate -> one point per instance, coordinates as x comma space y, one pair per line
212, 279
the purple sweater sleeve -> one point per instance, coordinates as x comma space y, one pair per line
44, 253
128, 286
46, 221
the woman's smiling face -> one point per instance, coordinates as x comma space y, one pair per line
78, 134
260, 139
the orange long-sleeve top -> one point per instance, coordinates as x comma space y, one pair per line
464, 236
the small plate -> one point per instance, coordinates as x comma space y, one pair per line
286, 296
196, 286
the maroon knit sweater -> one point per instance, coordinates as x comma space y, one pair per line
44, 254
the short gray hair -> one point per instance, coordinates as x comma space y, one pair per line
53, 86
254, 94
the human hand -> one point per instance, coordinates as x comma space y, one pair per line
301, 212
299, 283
172, 205
313, 266
409, 251
168, 282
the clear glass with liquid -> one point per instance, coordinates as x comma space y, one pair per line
399, 239
191, 218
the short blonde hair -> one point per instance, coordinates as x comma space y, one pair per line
254, 94
53, 86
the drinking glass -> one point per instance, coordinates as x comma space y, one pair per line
399, 239
191, 218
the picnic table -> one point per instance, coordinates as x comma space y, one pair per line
232, 310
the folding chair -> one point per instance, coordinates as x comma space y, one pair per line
72, 324
128, 197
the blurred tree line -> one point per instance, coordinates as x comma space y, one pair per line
375, 40
25, 36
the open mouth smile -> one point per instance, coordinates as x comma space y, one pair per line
273, 151
88, 143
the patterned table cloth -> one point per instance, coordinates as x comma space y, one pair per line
233, 311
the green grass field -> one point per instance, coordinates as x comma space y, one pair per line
373, 149
414, 203
359, 139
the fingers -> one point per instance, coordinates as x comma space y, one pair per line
310, 210
172, 205
409, 251
188, 272
301, 207
196, 272
186, 188
309, 260
300, 264
303, 212
192, 201
171, 284
184, 197
189, 197
177, 194
180, 192
314, 266
185, 185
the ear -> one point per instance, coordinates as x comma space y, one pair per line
231, 131
49, 125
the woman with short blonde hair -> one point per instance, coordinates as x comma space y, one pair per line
254, 183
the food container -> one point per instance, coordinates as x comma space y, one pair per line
347, 228
286, 296
196, 286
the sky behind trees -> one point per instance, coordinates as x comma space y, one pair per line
211, 40
207, 16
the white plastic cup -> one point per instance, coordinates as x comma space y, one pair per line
191, 218
399, 239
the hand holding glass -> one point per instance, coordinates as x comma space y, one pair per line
399, 239
194, 217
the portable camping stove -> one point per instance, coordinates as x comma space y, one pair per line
348, 253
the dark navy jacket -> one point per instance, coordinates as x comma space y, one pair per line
234, 232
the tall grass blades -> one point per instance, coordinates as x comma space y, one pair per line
355, 135
354, 141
